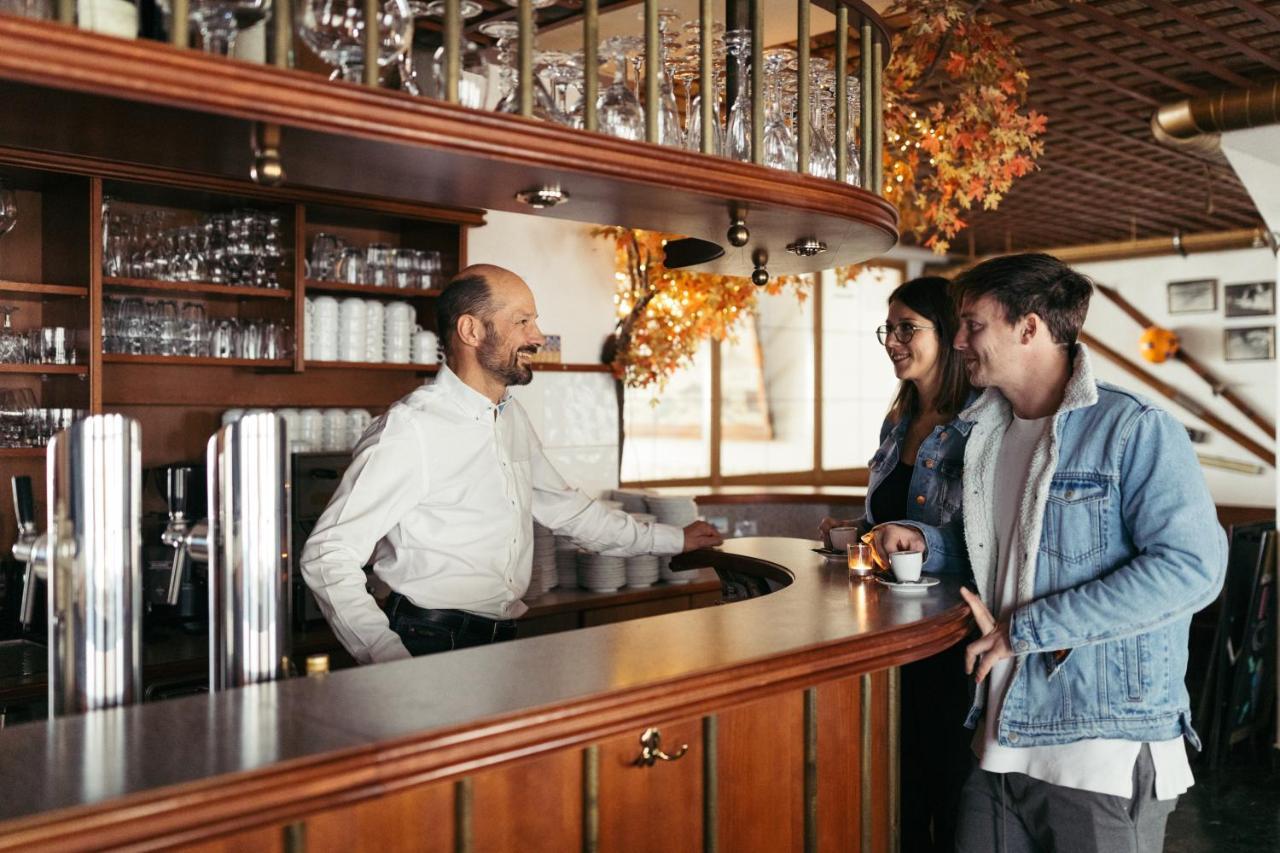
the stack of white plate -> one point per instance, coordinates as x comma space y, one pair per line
567, 566
678, 511
535, 584
544, 557
632, 501
599, 573
643, 570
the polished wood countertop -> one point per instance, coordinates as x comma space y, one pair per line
274, 751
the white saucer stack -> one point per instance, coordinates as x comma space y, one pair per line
678, 511
632, 501
544, 558
599, 573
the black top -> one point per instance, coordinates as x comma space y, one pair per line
889, 500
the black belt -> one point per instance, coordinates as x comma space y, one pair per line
455, 620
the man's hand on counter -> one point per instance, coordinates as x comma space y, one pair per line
701, 535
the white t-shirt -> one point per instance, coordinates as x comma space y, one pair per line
1104, 766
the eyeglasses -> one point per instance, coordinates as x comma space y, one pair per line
904, 332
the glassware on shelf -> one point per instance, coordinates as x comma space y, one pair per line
473, 73
618, 109
135, 326
13, 344
822, 152
334, 31
241, 248
8, 208
220, 21
738, 130
779, 142
853, 157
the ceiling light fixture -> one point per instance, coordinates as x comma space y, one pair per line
542, 197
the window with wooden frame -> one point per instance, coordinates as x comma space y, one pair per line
797, 398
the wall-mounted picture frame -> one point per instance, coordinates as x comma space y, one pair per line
1249, 343
1251, 299
1199, 296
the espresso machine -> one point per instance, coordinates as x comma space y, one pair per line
90, 555
246, 544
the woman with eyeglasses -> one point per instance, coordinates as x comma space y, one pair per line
915, 476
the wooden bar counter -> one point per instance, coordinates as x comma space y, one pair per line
784, 703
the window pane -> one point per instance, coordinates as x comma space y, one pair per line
671, 438
857, 379
766, 387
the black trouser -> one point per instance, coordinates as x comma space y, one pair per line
936, 755
425, 632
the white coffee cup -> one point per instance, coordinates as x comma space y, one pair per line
425, 344
841, 537
907, 565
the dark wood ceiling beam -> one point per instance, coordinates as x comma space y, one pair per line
1149, 39
1216, 33
1260, 14
1044, 59
1226, 198
1013, 217
1033, 22
1152, 194
1062, 195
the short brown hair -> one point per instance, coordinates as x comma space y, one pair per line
1033, 283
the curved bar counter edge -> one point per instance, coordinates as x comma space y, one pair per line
786, 701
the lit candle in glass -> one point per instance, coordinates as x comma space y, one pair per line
860, 559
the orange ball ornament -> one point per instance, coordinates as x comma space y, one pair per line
1157, 344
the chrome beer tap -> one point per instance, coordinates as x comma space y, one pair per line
188, 539
91, 557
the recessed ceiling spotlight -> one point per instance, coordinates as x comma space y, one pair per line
542, 197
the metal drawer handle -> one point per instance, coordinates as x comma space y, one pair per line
651, 749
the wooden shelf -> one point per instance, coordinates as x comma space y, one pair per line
370, 290
372, 365
42, 289
193, 361
197, 287
71, 369
22, 452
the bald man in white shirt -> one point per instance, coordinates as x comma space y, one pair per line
443, 488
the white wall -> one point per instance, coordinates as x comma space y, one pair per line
571, 274
1143, 282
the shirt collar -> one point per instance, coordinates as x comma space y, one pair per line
469, 399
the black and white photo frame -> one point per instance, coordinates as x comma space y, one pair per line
1198, 296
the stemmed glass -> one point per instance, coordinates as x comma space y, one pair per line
8, 208
779, 141
618, 108
693, 128
738, 133
822, 153
334, 30
13, 344
853, 172
220, 21
562, 69
473, 78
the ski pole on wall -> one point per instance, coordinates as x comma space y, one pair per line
1176, 395
1219, 389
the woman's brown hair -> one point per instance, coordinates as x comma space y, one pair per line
932, 297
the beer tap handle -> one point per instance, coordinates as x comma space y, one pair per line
24, 506
175, 575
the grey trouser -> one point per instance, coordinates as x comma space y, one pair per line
1011, 812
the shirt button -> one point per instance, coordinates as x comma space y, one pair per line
1070, 494
942, 437
1013, 737
928, 463
1022, 645
920, 499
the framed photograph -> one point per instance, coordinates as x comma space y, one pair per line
1255, 299
1251, 343
1193, 297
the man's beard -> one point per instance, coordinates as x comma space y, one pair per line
508, 368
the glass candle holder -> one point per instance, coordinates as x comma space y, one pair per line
860, 563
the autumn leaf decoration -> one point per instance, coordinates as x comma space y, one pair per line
957, 133
664, 315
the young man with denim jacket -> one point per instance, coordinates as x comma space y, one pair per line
1093, 539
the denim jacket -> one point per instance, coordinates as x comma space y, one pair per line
1129, 547
936, 487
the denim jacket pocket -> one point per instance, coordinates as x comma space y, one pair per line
1075, 517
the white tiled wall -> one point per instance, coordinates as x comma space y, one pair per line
576, 416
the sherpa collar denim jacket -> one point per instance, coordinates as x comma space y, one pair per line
1129, 547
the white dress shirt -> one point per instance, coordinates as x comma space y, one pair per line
1100, 765
439, 498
